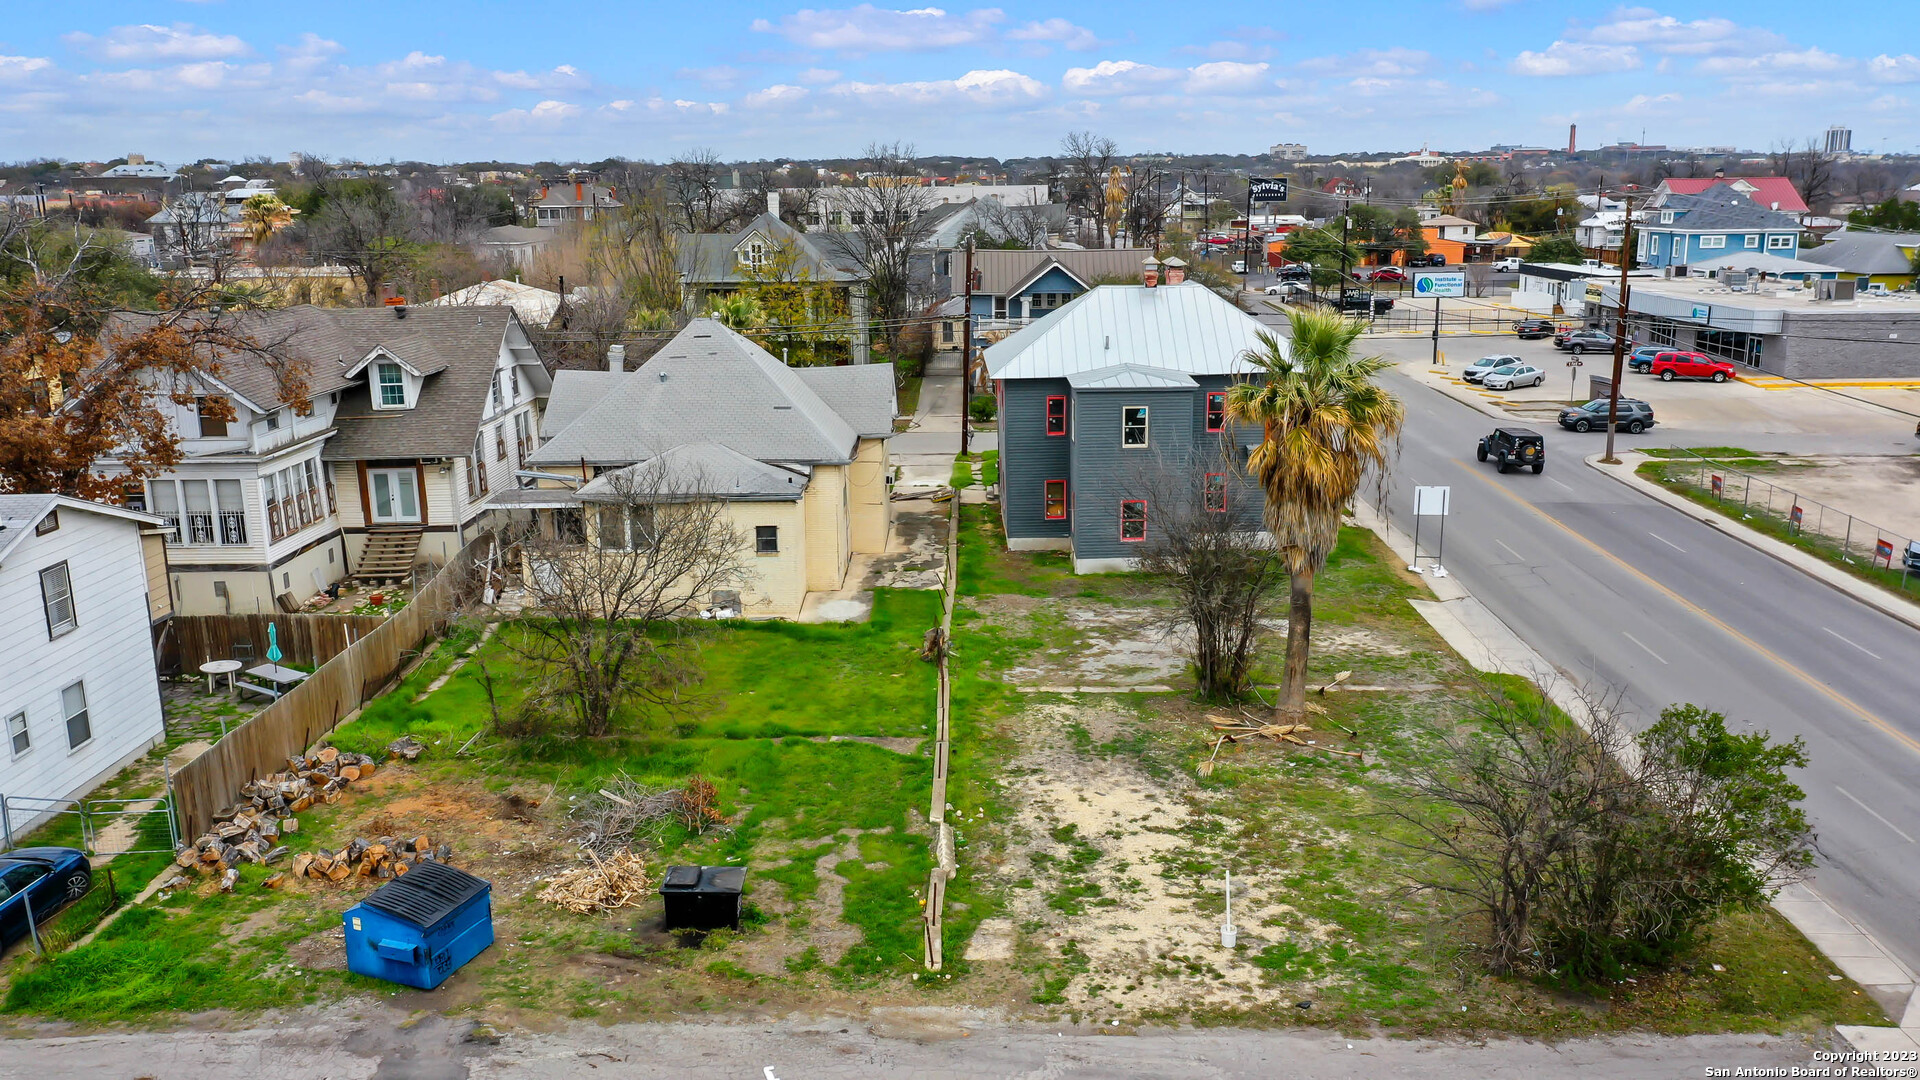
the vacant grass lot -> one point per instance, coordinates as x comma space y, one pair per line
831, 828
1105, 850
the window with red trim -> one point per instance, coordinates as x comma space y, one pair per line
1133, 519
1056, 416
1214, 493
1216, 410
1055, 499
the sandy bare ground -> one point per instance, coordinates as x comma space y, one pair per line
370, 1042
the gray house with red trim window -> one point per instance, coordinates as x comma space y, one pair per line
1112, 402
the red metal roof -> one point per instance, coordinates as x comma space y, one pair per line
1767, 190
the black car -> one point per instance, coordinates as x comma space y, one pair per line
43, 878
1363, 302
1296, 272
1431, 259
1634, 415
1533, 328
1514, 446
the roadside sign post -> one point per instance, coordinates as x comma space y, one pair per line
1431, 502
1882, 549
1573, 377
1794, 518
1438, 284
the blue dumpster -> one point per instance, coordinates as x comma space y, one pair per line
420, 928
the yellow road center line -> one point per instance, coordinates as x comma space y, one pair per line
1899, 736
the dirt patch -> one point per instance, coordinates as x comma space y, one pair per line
1110, 907
907, 746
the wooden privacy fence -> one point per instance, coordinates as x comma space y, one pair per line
304, 639
311, 709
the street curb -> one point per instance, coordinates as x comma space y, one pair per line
1815, 568
1488, 644
1452, 390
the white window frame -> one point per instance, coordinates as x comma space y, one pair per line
1713, 241
49, 598
1145, 426
1779, 240
380, 368
18, 731
85, 715
1752, 241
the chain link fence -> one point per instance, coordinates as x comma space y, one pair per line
1879, 554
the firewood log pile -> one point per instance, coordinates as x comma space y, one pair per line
617, 881
251, 829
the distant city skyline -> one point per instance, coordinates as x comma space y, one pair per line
181, 81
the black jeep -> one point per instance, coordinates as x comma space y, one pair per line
1514, 446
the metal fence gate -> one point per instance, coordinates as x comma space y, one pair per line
107, 826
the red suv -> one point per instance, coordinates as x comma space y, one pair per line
1690, 365
1385, 273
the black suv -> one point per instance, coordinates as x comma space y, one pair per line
1533, 328
1296, 272
1514, 446
1434, 259
1363, 302
1634, 415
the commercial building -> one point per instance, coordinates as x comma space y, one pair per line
1803, 330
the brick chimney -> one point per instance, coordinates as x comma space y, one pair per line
1150, 272
1176, 270
579, 192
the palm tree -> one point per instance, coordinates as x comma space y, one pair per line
737, 311
263, 215
1324, 423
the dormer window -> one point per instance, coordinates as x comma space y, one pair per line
393, 386
753, 254
1666, 217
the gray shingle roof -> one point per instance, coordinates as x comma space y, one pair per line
463, 343
1002, 271
1130, 377
706, 470
1722, 209
863, 395
582, 390
1865, 253
1181, 328
711, 258
708, 384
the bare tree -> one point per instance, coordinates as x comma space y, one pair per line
1810, 168
890, 231
1086, 161
1225, 577
366, 227
1145, 214
693, 184
197, 236
616, 587
1026, 226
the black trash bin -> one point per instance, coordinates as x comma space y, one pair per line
703, 897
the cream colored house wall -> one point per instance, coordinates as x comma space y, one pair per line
251, 591
871, 505
153, 552
827, 534
775, 584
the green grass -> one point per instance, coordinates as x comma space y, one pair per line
962, 476
1678, 478
1706, 452
909, 396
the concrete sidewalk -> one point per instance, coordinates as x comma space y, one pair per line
1488, 644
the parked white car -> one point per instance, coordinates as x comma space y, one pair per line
1479, 368
1510, 265
1514, 375
1287, 288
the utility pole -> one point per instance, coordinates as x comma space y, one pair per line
1619, 330
966, 357
1346, 215
1246, 260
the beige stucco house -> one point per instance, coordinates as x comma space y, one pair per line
797, 458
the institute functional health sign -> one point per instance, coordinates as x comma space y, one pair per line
1442, 283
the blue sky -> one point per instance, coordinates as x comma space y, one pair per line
181, 80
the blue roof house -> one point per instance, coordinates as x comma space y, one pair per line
1689, 229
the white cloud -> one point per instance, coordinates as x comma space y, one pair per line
19, 67
1698, 37
1811, 59
1380, 63
818, 76
870, 29
1904, 68
1649, 103
1484, 5
1058, 32
774, 96
1576, 58
210, 75
975, 87
147, 42
565, 76
1118, 77
545, 114
1229, 50
1226, 77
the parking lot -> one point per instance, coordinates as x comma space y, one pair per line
1760, 414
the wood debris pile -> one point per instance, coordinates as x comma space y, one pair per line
250, 829
1234, 729
617, 881
625, 812
386, 857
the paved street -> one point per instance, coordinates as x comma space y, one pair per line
929, 1044
1618, 591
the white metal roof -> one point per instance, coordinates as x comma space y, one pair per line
1185, 328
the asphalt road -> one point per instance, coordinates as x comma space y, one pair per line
1620, 592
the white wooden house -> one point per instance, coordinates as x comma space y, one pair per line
79, 692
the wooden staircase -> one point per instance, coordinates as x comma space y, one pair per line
388, 557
